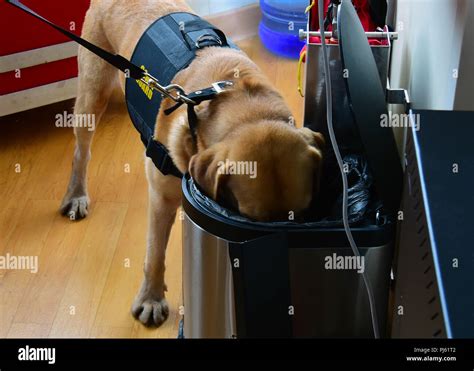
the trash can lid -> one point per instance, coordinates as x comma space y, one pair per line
230, 226
367, 99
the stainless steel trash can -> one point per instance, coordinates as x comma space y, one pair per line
245, 279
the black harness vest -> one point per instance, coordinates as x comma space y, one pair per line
168, 46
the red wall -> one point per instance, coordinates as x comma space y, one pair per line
21, 32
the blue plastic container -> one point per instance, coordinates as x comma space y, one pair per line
280, 25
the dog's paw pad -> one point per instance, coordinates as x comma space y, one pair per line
150, 312
75, 208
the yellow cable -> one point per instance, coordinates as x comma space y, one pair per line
300, 64
303, 55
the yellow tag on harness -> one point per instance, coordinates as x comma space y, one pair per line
145, 88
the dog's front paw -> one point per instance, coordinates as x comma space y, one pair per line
149, 310
75, 207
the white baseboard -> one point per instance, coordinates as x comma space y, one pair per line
37, 97
38, 56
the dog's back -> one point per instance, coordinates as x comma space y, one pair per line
121, 22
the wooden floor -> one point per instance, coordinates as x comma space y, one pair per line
89, 271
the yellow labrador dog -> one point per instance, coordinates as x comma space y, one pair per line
249, 122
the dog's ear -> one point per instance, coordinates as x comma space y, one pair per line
208, 170
316, 145
313, 138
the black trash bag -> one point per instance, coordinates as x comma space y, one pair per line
327, 205
359, 193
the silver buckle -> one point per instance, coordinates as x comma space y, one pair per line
207, 37
179, 96
176, 92
217, 85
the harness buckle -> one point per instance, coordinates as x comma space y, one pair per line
179, 93
207, 37
220, 86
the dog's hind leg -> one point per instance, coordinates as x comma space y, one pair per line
95, 85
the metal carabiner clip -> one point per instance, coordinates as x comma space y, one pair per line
167, 91
180, 94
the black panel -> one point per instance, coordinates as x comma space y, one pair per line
262, 287
417, 291
446, 152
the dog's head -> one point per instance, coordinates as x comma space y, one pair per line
267, 171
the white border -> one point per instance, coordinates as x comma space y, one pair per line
38, 56
39, 96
